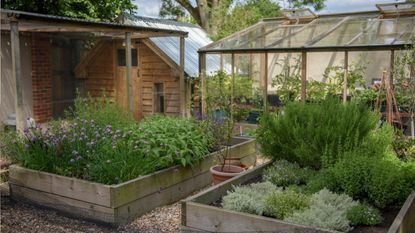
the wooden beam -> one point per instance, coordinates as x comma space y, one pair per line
392, 64
303, 76
233, 83
265, 78
202, 76
345, 75
182, 83
17, 75
129, 73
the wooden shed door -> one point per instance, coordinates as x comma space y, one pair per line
63, 80
121, 80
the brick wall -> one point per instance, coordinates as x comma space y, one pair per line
41, 79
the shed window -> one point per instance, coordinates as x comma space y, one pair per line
158, 98
121, 57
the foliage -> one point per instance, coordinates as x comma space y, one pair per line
314, 134
404, 147
248, 199
283, 173
224, 17
327, 210
403, 73
106, 10
390, 183
363, 214
282, 204
243, 15
384, 182
288, 81
334, 76
219, 106
101, 111
84, 149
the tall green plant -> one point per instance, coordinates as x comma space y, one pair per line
404, 74
219, 102
315, 134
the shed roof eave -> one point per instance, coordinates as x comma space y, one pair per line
34, 22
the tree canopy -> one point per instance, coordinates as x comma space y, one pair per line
223, 17
106, 10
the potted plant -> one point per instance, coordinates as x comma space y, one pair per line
219, 99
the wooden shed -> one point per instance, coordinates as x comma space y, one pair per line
45, 59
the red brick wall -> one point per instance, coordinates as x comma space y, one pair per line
41, 79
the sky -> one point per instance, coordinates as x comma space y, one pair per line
151, 7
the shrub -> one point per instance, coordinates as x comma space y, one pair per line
327, 210
363, 214
382, 181
248, 199
352, 174
390, 183
281, 204
283, 173
311, 134
84, 149
102, 111
324, 179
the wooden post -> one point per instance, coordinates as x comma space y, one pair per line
303, 75
265, 81
17, 74
221, 61
392, 64
128, 73
233, 83
345, 75
182, 84
202, 75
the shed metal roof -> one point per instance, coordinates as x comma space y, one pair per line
197, 38
35, 22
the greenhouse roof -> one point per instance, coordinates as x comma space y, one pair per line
389, 28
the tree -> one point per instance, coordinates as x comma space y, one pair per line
211, 14
106, 10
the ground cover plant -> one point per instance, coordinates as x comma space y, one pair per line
89, 147
334, 166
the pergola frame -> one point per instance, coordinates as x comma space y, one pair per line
303, 50
17, 21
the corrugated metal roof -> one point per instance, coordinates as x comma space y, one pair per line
37, 16
197, 38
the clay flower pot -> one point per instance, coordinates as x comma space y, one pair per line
228, 172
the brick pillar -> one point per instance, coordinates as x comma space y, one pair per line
41, 79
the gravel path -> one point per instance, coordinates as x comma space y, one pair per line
20, 217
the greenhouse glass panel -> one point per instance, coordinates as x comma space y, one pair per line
387, 31
305, 35
348, 30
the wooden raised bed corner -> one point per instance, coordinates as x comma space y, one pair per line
199, 215
115, 204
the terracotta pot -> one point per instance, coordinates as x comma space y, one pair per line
228, 172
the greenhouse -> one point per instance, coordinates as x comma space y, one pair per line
300, 55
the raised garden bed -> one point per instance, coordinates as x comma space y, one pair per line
200, 212
121, 203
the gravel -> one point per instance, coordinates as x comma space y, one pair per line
21, 217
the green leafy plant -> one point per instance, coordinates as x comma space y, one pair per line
363, 214
314, 134
284, 173
248, 199
85, 149
101, 110
327, 210
282, 204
